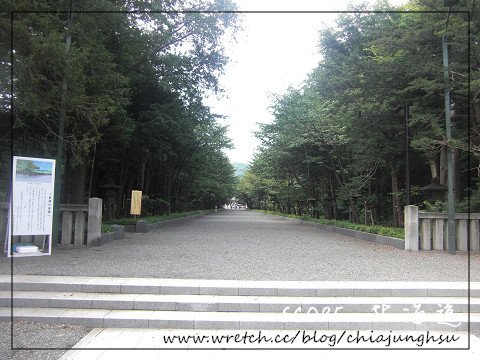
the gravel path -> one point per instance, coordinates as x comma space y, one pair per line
251, 246
38, 335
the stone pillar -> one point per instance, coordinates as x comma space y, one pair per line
79, 236
462, 235
438, 235
411, 228
426, 234
141, 226
119, 231
67, 222
94, 230
474, 235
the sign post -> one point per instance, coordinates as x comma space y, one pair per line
31, 205
136, 204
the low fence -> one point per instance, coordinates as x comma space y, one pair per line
428, 231
80, 224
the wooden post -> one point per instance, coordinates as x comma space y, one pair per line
94, 230
411, 228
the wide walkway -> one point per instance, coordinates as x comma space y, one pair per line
151, 339
242, 245
247, 245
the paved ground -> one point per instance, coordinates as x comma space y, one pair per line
150, 338
28, 335
61, 336
229, 245
251, 246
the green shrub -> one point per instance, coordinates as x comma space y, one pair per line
106, 228
156, 218
373, 229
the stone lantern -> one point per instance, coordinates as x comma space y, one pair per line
110, 199
329, 206
434, 191
312, 204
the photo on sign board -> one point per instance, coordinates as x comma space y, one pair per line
33, 171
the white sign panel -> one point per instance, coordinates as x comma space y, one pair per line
31, 204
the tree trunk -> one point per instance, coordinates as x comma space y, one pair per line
434, 168
353, 212
456, 174
168, 190
443, 166
150, 172
334, 200
74, 181
328, 209
77, 183
378, 204
397, 211
92, 172
141, 175
124, 167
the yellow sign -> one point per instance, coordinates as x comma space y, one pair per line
136, 205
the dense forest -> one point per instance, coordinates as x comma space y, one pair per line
124, 88
337, 145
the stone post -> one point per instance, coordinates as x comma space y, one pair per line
474, 235
141, 226
94, 230
462, 235
426, 235
67, 223
411, 228
79, 236
119, 231
438, 235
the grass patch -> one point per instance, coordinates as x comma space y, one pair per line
106, 228
156, 218
394, 232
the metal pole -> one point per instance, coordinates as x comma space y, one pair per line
59, 161
407, 159
451, 195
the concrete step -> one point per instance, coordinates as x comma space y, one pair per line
206, 303
238, 287
232, 304
243, 320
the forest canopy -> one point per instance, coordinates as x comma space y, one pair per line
337, 145
128, 84
128, 81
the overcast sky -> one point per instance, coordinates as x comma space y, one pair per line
273, 52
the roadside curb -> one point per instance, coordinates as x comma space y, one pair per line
144, 227
140, 227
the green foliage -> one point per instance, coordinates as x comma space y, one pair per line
372, 229
106, 228
26, 167
340, 137
156, 218
437, 206
131, 86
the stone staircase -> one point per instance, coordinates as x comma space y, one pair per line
232, 304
